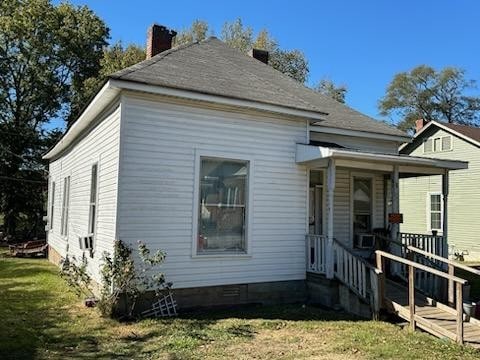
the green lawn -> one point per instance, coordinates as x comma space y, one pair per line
41, 319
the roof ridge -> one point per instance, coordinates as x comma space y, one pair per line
155, 59
272, 84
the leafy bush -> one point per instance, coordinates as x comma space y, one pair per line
76, 275
122, 280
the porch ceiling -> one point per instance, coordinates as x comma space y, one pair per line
319, 156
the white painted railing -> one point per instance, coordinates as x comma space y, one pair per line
316, 253
352, 270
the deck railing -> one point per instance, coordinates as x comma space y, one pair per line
433, 244
316, 253
412, 267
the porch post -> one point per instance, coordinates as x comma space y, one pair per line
396, 250
395, 201
330, 211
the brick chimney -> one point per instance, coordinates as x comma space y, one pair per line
260, 55
419, 124
159, 39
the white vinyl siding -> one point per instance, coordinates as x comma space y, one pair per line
157, 189
98, 145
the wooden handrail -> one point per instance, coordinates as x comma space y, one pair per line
411, 288
421, 267
445, 260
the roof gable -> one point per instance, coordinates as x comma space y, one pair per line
212, 67
466, 133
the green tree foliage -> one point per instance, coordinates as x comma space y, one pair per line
46, 52
196, 32
114, 58
328, 88
425, 93
241, 37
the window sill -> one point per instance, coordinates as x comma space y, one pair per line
221, 256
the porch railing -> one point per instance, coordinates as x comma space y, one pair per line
316, 253
433, 244
350, 269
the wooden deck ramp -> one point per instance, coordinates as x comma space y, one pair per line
421, 311
431, 316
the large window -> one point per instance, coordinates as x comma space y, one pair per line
65, 205
222, 206
435, 213
93, 199
52, 204
362, 207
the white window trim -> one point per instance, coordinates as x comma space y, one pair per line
433, 138
97, 162
222, 155
51, 207
429, 210
65, 220
324, 200
363, 175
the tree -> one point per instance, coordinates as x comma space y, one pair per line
46, 52
328, 88
196, 32
114, 58
241, 37
425, 93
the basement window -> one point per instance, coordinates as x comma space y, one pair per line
222, 206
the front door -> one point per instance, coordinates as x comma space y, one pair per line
316, 210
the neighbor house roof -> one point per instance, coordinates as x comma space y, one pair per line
465, 132
212, 67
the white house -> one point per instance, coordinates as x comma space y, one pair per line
246, 178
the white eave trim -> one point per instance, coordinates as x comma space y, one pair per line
196, 96
103, 98
443, 127
356, 133
310, 153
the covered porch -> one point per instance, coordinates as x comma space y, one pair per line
353, 204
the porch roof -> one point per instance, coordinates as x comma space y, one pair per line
318, 156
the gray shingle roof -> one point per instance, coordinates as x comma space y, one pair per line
212, 67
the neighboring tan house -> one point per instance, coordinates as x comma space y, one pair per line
421, 199
245, 177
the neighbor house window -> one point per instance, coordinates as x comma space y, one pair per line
435, 202
65, 205
362, 206
222, 206
93, 199
437, 144
52, 204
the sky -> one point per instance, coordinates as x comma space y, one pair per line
361, 44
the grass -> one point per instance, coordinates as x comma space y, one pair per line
42, 319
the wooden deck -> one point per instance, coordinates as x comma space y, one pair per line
433, 317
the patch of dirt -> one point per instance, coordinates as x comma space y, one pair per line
287, 343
